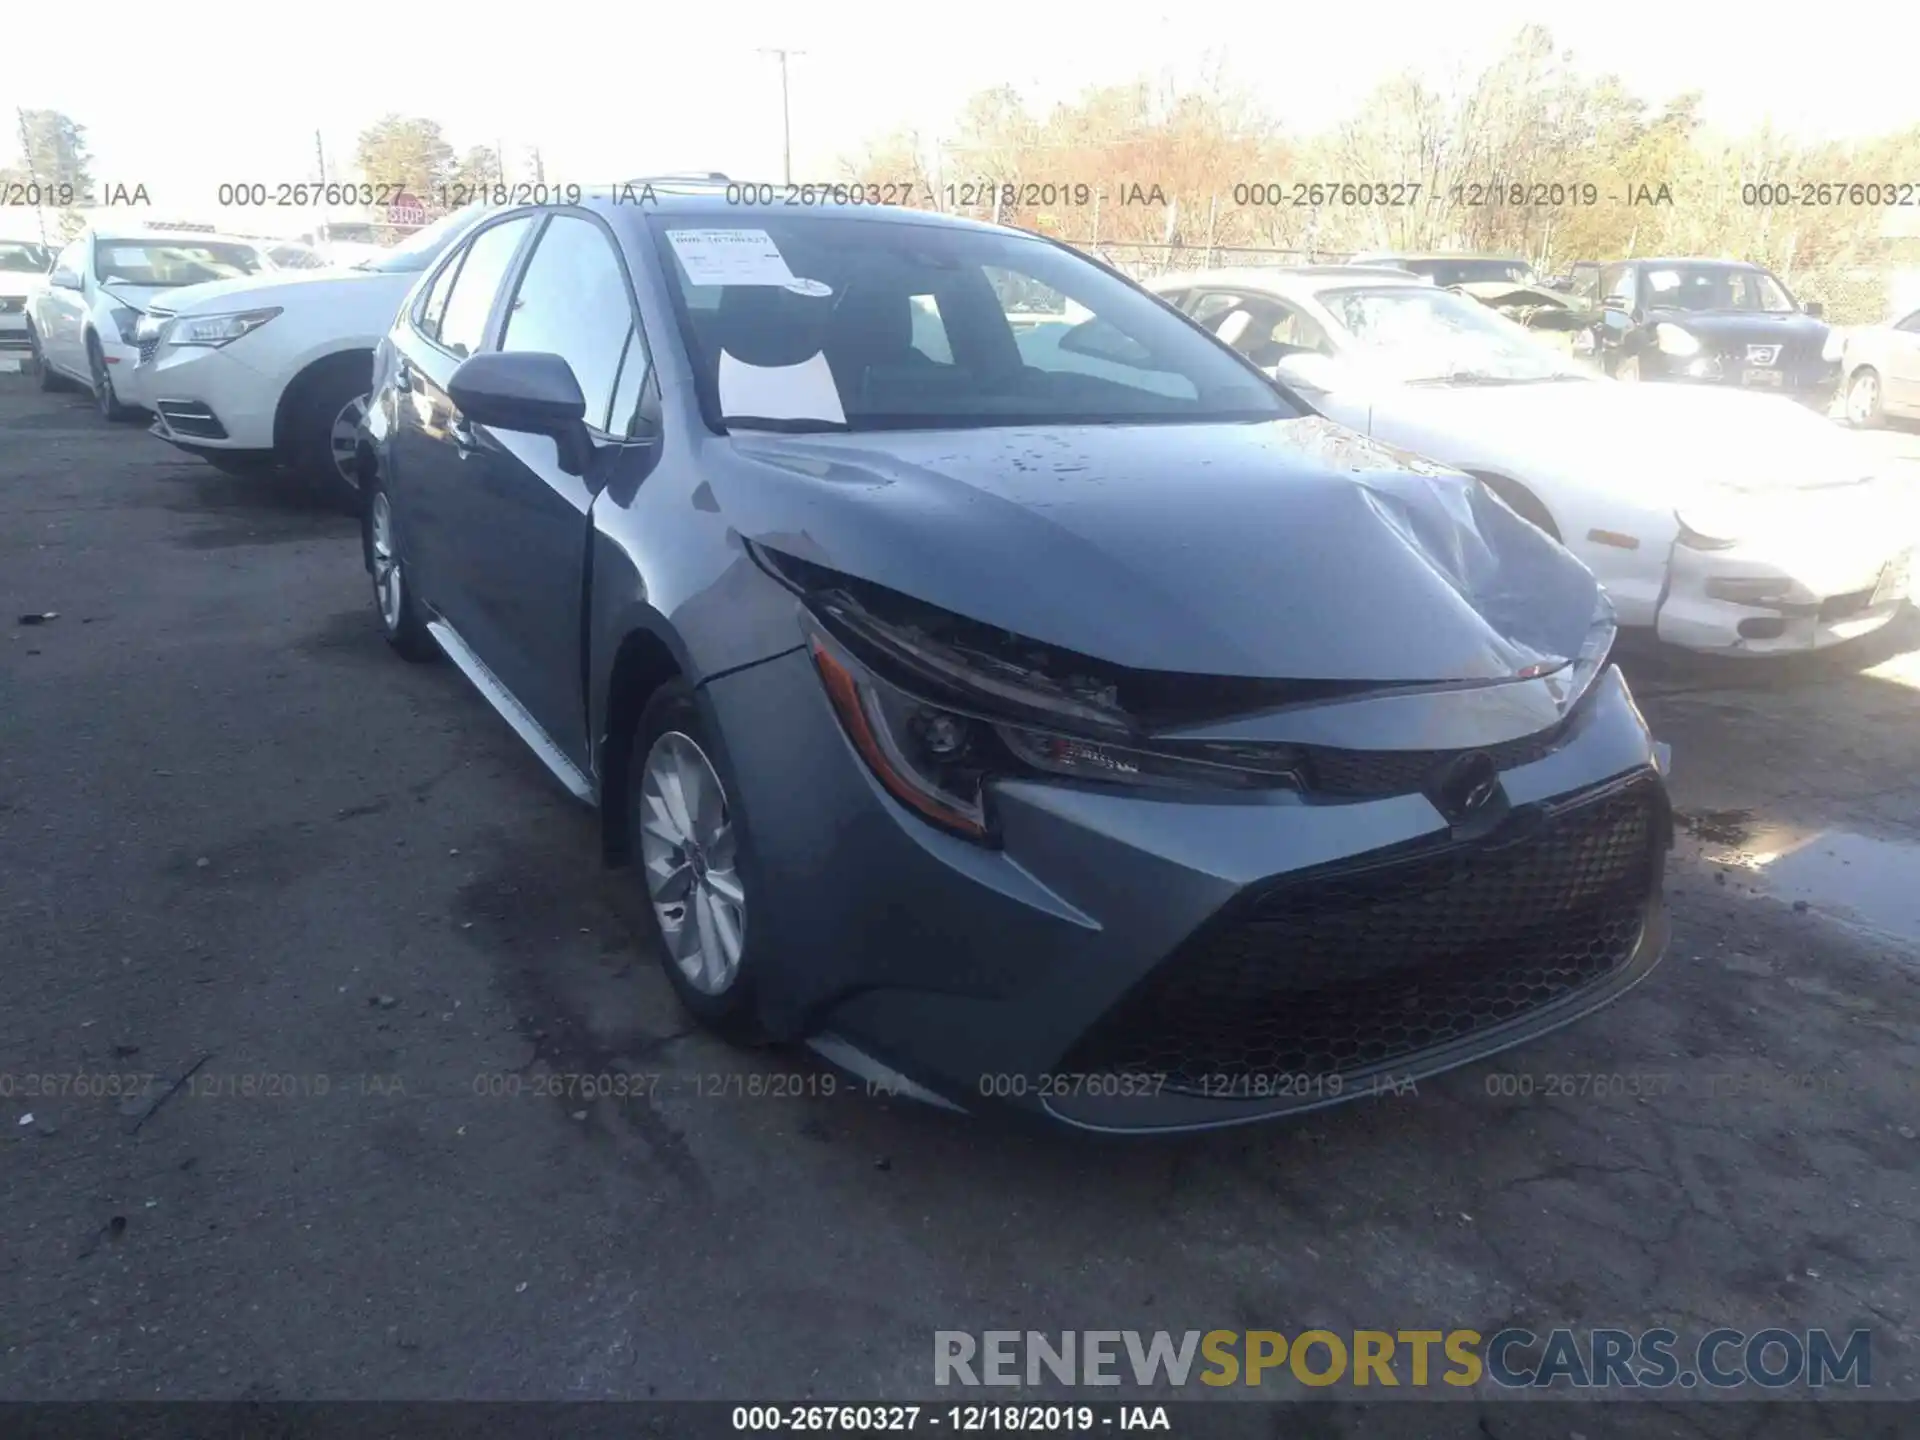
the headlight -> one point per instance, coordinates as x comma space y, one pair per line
1672, 340
935, 740
124, 320
216, 330
1713, 520
149, 328
1835, 346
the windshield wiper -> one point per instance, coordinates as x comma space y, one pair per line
786, 427
1471, 377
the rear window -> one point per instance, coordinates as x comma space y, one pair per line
833, 322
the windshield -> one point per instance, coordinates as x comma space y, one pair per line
419, 250
1449, 271
169, 263
824, 322
21, 257
1716, 287
1414, 333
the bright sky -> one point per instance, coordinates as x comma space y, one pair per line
610, 91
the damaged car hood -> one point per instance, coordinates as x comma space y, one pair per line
1294, 549
1532, 305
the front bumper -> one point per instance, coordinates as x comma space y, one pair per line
205, 399
13, 328
1815, 383
1135, 964
1746, 601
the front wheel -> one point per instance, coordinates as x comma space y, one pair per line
48, 377
400, 619
325, 428
1866, 409
690, 849
104, 399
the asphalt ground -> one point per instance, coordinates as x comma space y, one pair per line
240, 842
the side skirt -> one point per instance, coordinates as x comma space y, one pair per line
512, 711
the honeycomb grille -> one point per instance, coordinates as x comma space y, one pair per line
1356, 773
1377, 964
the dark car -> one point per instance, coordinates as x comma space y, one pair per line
1053, 714
1714, 322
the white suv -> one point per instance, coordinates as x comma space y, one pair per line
80, 323
271, 373
23, 270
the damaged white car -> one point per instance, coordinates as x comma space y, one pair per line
1724, 521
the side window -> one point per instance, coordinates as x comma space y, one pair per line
1209, 306
463, 326
929, 330
629, 386
1911, 325
69, 260
432, 306
1616, 286
573, 302
1176, 298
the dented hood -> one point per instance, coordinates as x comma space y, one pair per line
1534, 304
1289, 550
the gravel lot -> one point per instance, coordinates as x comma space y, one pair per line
236, 833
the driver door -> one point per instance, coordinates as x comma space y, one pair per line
1903, 367
64, 311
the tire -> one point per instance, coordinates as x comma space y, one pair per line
1866, 400
671, 748
320, 430
399, 612
104, 399
49, 378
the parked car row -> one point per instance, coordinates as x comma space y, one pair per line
1710, 322
1724, 521
1159, 709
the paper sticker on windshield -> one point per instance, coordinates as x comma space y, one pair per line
730, 257
779, 392
804, 286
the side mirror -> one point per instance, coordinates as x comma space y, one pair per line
1814, 308
64, 280
1309, 370
531, 392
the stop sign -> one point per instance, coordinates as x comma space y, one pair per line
406, 209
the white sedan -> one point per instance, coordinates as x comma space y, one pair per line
1724, 521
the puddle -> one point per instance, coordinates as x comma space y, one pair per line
1864, 881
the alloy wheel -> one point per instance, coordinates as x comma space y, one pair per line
343, 438
387, 581
687, 848
1863, 398
103, 396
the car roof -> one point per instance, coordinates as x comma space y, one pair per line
1284, 279
162, 232
1372, 257
1710, 260
708, 200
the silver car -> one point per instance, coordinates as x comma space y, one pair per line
1881, 364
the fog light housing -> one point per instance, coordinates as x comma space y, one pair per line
1758, 590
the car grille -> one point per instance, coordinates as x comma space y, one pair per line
147, 347
1351, 774
1370, 964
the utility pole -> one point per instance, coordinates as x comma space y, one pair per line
320, 156
786, 113
33, 178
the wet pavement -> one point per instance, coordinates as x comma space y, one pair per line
357, 940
